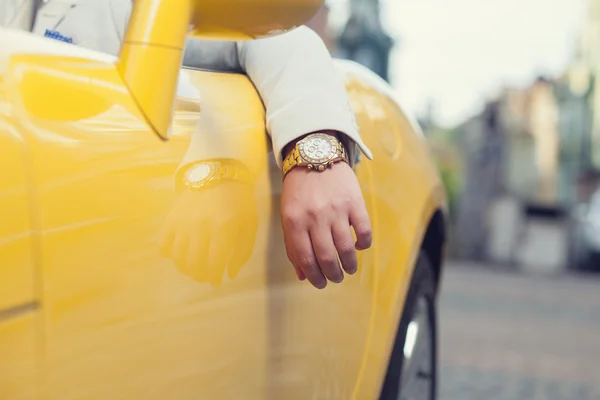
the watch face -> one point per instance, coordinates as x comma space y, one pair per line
199, 173
317, 148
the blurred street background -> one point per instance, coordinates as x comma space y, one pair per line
506, 93
515, 336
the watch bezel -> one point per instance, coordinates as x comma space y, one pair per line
210, 176
318, 161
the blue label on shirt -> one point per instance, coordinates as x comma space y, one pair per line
58, 36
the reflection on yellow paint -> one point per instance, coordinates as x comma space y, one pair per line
212, 227
17, 358
65, 89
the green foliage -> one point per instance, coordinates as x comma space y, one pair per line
445, 149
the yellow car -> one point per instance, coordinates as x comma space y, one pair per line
93, 164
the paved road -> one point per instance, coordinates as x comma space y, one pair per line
509, 336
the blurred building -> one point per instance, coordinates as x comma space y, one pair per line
364, 39
574, 94
519, 168
482, 139
513, 196
589, 63
542, 123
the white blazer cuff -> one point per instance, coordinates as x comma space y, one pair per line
298, 124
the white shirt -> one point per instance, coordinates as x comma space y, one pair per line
294, 73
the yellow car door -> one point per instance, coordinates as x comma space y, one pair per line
17, 292
18, 285
120, 319
406, 194
123, 314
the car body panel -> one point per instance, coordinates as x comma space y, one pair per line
16, 239
407, 192
19, 352
116, 318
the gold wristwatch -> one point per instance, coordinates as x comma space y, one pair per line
316, 151
208, 173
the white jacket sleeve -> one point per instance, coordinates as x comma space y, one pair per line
301, 89
296, 78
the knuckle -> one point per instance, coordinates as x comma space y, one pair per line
305, 262
291, 217
327, 259
349, 201
338, 205
346, 249
316, 211
342, 204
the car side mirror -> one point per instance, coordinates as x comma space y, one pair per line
152, 51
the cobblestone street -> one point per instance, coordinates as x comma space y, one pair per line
511, 336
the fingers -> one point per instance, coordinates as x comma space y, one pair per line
320, 214
359, 219
242, 251
344, 244
316, 252
166, 239
204, 253
180, 250
198, 254
300, 274
303, 257
290, 250
221, 250
326, 253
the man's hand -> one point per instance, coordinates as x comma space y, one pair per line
318, 210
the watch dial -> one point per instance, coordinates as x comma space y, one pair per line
318, 148
199, 173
